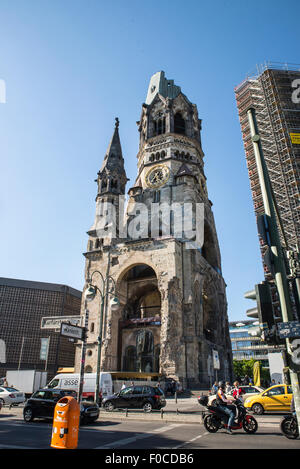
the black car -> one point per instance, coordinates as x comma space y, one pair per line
42, 404
139, 397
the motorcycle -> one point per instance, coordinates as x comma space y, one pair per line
215, 419
289, 427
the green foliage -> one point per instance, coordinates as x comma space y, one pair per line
243, 367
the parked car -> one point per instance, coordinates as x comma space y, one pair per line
11, 396
248, 392
42, 404
140, 397
275, 398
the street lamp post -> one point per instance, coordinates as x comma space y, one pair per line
279, 264
104, 292
83, 346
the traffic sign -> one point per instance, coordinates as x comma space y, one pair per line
54, 322
289, 329
216, 360
73, 332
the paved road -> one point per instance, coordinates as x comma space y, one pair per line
115, 431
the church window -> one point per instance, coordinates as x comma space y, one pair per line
130, 359
144, 350
179, 124
156, 358
156, 196
160, 126
101, 208
98, 243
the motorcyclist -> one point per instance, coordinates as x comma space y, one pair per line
223, 404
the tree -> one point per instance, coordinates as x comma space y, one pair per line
243, 367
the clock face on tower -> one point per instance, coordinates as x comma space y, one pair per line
157, 176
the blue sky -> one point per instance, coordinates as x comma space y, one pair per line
70, 67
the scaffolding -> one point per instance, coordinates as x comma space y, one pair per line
269, 92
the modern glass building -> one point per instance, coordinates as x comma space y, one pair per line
246, 343
23, 305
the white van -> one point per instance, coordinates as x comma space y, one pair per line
71, 381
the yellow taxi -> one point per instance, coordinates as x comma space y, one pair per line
274, 398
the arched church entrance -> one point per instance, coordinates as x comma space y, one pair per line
139, 327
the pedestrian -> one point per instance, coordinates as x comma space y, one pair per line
123, 385
100, 397
222, 403
214, 388
246, 380
132, 383
237, 391
227, 388
273, 382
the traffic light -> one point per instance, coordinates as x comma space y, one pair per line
263, 226
266, 314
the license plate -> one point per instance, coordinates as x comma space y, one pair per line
93, 414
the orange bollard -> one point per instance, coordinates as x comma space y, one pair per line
66, 423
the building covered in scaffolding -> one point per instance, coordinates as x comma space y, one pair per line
274, 93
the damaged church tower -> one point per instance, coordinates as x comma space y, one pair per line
172, 317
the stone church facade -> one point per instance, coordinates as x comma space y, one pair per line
172, 313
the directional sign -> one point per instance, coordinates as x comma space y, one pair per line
289, 329
74, 332
54, 322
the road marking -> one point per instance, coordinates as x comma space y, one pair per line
139, 436
190, 441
